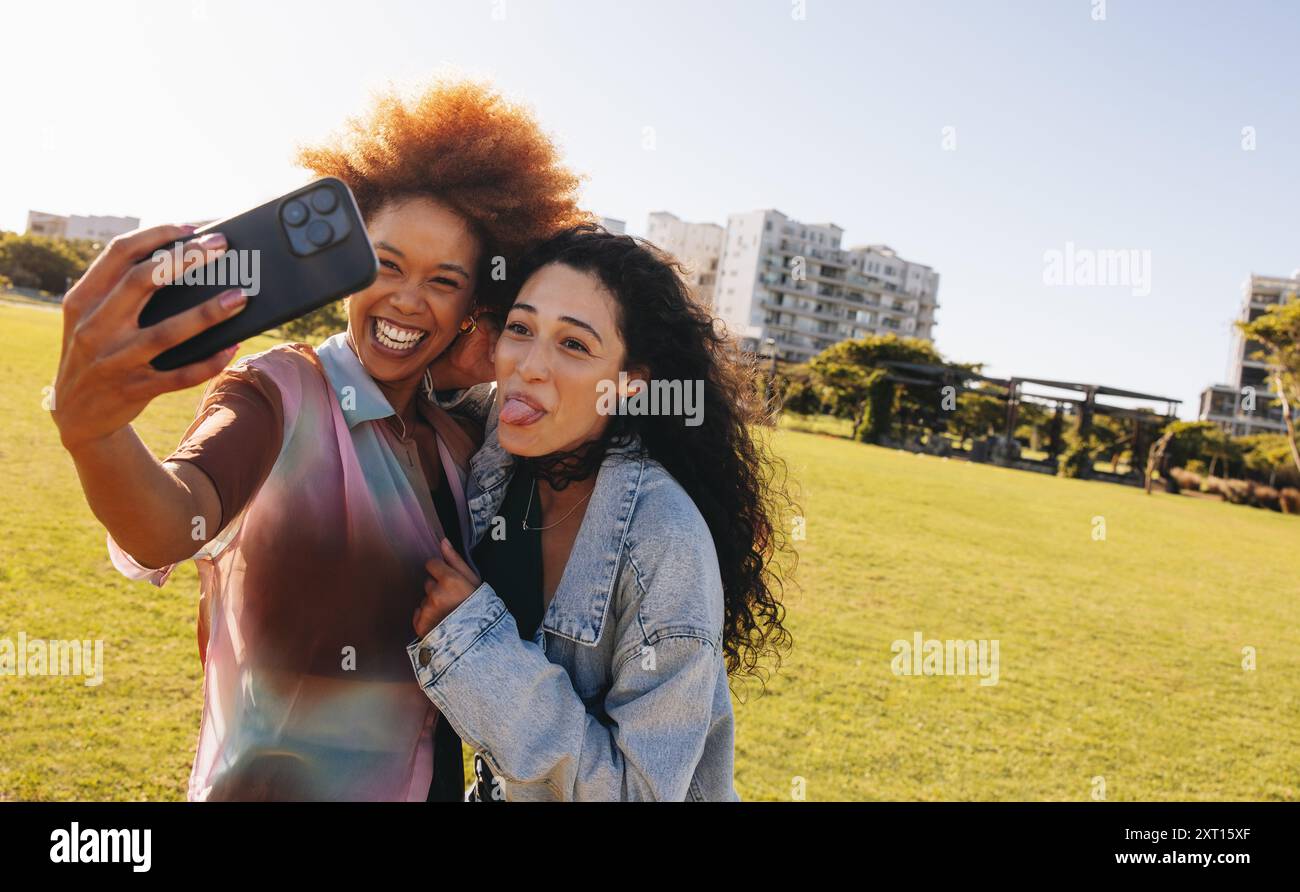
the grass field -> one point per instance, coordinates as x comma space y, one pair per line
1119, 659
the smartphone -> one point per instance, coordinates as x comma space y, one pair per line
293, 255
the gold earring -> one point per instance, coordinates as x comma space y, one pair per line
468, 325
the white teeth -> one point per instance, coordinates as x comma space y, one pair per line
395, 338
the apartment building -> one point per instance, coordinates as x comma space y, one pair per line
697, 245
792, 283
1229, 405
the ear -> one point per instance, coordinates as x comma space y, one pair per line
638, 378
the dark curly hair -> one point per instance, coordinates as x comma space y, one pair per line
463, 144
724, 464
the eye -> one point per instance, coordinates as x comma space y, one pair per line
444, 282
575, 344
517, 328
393, 266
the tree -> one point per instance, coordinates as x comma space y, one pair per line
798, 393
1205, 442
852, 378
977, 414
847, 388
34, 261
1033, 423
318, 324
1221, 448
1278, 330
1156, 462
1110, 438
1078, 456
1269, 457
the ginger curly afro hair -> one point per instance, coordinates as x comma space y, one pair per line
463, 144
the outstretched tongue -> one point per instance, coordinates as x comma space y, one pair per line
516, 411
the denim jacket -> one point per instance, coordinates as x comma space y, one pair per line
623, 693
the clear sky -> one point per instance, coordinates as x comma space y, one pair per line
1125, 133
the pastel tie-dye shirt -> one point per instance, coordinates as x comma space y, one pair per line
307, 594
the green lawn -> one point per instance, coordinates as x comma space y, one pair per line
1120, 658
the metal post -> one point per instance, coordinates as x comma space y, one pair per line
1013, 405
1055, 433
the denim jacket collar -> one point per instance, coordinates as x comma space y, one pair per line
579, 607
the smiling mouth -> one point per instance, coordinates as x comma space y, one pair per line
394, 337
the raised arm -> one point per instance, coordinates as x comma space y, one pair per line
157, 513
105, 381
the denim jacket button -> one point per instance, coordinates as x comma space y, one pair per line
425, 656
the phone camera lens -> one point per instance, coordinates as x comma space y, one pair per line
319, 233
295, 213
324, 200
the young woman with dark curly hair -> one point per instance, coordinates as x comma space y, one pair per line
314, 483
627, 562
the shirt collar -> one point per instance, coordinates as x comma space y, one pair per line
359, 396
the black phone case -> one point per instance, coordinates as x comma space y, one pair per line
290, 285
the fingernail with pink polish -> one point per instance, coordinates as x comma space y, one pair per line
232, 299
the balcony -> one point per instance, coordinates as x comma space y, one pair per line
807, 312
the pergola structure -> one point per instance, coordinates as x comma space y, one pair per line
1013, 392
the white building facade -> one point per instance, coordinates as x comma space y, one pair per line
697, 245
613, 225
1246, 404
793, 283
75, 226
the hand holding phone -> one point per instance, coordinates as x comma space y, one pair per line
165, 308
290, 255
105, 378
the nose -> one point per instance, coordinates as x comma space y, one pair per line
407, 301
533, 365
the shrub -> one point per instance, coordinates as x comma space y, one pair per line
1264, 496
1237, 492
1288, 499
34, 261
801, 397
1077, 459
1240, 492
1216, 486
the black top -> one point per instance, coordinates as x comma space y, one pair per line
448, 769
509, 558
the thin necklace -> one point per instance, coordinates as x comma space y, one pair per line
529, 509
